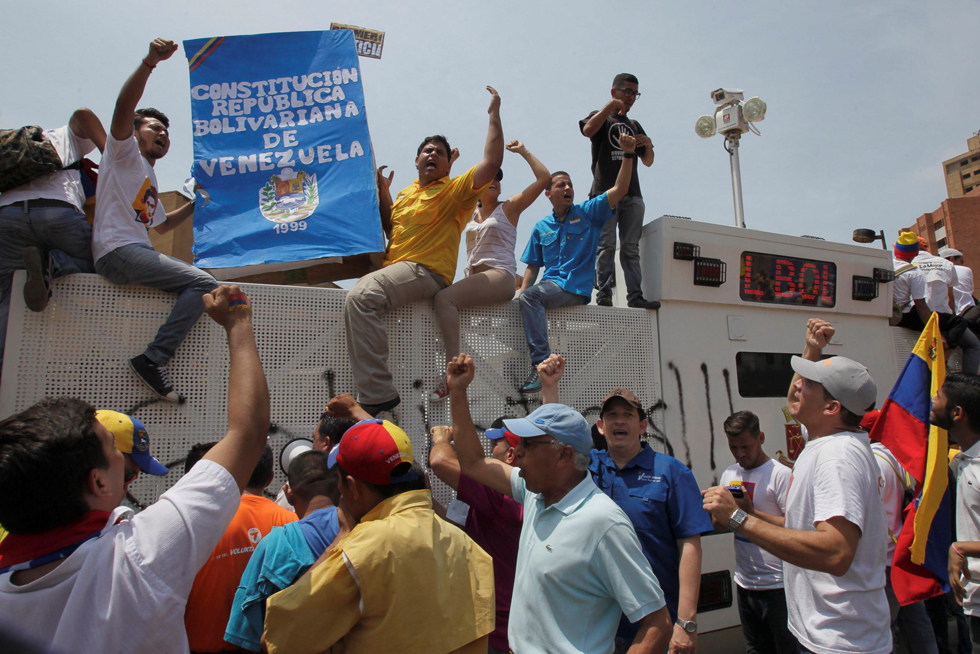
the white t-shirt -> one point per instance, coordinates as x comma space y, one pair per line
940, 276
836, 475
129, 203
892, 490
767, 486
64, 185
963, 290
126, 590
968, 518
910, 285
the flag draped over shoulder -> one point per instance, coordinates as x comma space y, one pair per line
919, 566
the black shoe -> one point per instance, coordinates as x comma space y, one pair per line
603, 301
36, 291
156, 378
640, 303
375, 409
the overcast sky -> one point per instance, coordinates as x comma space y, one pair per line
865, 99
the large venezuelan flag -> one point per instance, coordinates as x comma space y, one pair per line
919, 566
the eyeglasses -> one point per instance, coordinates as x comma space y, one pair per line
629, 93
129, 475
528, 444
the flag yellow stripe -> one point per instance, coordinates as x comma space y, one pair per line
202, 50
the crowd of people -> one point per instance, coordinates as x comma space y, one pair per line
553, 544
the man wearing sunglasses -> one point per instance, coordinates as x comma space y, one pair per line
603, 128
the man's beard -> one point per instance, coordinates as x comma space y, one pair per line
943, 420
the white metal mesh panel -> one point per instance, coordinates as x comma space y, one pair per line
79, 346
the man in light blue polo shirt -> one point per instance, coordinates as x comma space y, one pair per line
580, 565
565, 244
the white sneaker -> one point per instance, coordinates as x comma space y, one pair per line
441, 391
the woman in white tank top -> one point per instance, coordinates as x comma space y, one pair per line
491, 265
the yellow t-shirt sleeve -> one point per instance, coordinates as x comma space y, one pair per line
294, 617
460, 189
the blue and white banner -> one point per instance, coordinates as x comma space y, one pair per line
282, 152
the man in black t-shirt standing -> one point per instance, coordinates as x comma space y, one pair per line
604, 127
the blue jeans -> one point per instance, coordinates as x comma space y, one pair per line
139, 264
763, 617
61, 231
629, 217
534, 302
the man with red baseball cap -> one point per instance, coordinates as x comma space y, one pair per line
366, 590
493, 519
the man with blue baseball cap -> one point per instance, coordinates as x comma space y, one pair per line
132, 440
580, 565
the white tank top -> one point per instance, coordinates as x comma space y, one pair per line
491, 243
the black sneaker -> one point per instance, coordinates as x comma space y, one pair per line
604, 301
375, 409
36, 291
156, 378
640, 303
532, 384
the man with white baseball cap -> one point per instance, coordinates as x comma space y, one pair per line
963, 288
579, 565
834, 536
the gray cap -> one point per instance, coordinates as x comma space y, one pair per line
946, 253
558, 421
846, 380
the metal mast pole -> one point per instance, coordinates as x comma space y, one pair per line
731, 145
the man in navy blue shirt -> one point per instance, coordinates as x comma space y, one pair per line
661, 498
565, 244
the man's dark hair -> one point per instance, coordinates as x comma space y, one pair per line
500, 174
46, 455
142, 115
850, 419
310, 475
334, 428
625, 77
740, 422
393, 489
262, 474
963, 390
435, 138
556, 174
195, 454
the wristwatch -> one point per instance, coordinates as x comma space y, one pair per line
690, 626
737, 519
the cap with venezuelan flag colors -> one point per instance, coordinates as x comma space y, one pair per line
373, 449
131, 439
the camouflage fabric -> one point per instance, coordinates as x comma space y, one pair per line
25, 155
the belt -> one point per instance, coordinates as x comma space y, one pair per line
43, 202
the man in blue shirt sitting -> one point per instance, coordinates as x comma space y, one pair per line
565, 244
659, 495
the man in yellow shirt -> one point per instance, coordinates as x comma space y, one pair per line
365, 594
423, 226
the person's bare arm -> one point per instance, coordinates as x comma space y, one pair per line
384, 199
593, 124
129, 96
175, 218
622, 185
643, 141
818, 334
86, 125
493, 152
345, 406
549, 372
442, 456
530, 276
473, 461
689, 578
959, 571
654, 633
248, 395
831, 548
515, 206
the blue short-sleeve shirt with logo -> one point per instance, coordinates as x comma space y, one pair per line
566, 247
661, 498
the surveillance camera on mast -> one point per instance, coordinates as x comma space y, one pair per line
727, 96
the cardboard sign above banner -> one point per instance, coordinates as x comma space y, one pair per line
369, 42
282, 150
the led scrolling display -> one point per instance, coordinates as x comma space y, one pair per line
777, 279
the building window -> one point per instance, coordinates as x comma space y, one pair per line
964, 162
965, 175
941, 243
938, 224
968, 189
976, 158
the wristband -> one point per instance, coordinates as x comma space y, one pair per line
148, 65
629, 155
959, 553
237, 301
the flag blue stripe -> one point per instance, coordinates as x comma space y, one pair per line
911, 391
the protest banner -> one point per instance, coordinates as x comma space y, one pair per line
282, 152
369, 42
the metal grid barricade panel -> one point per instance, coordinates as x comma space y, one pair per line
79, 346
